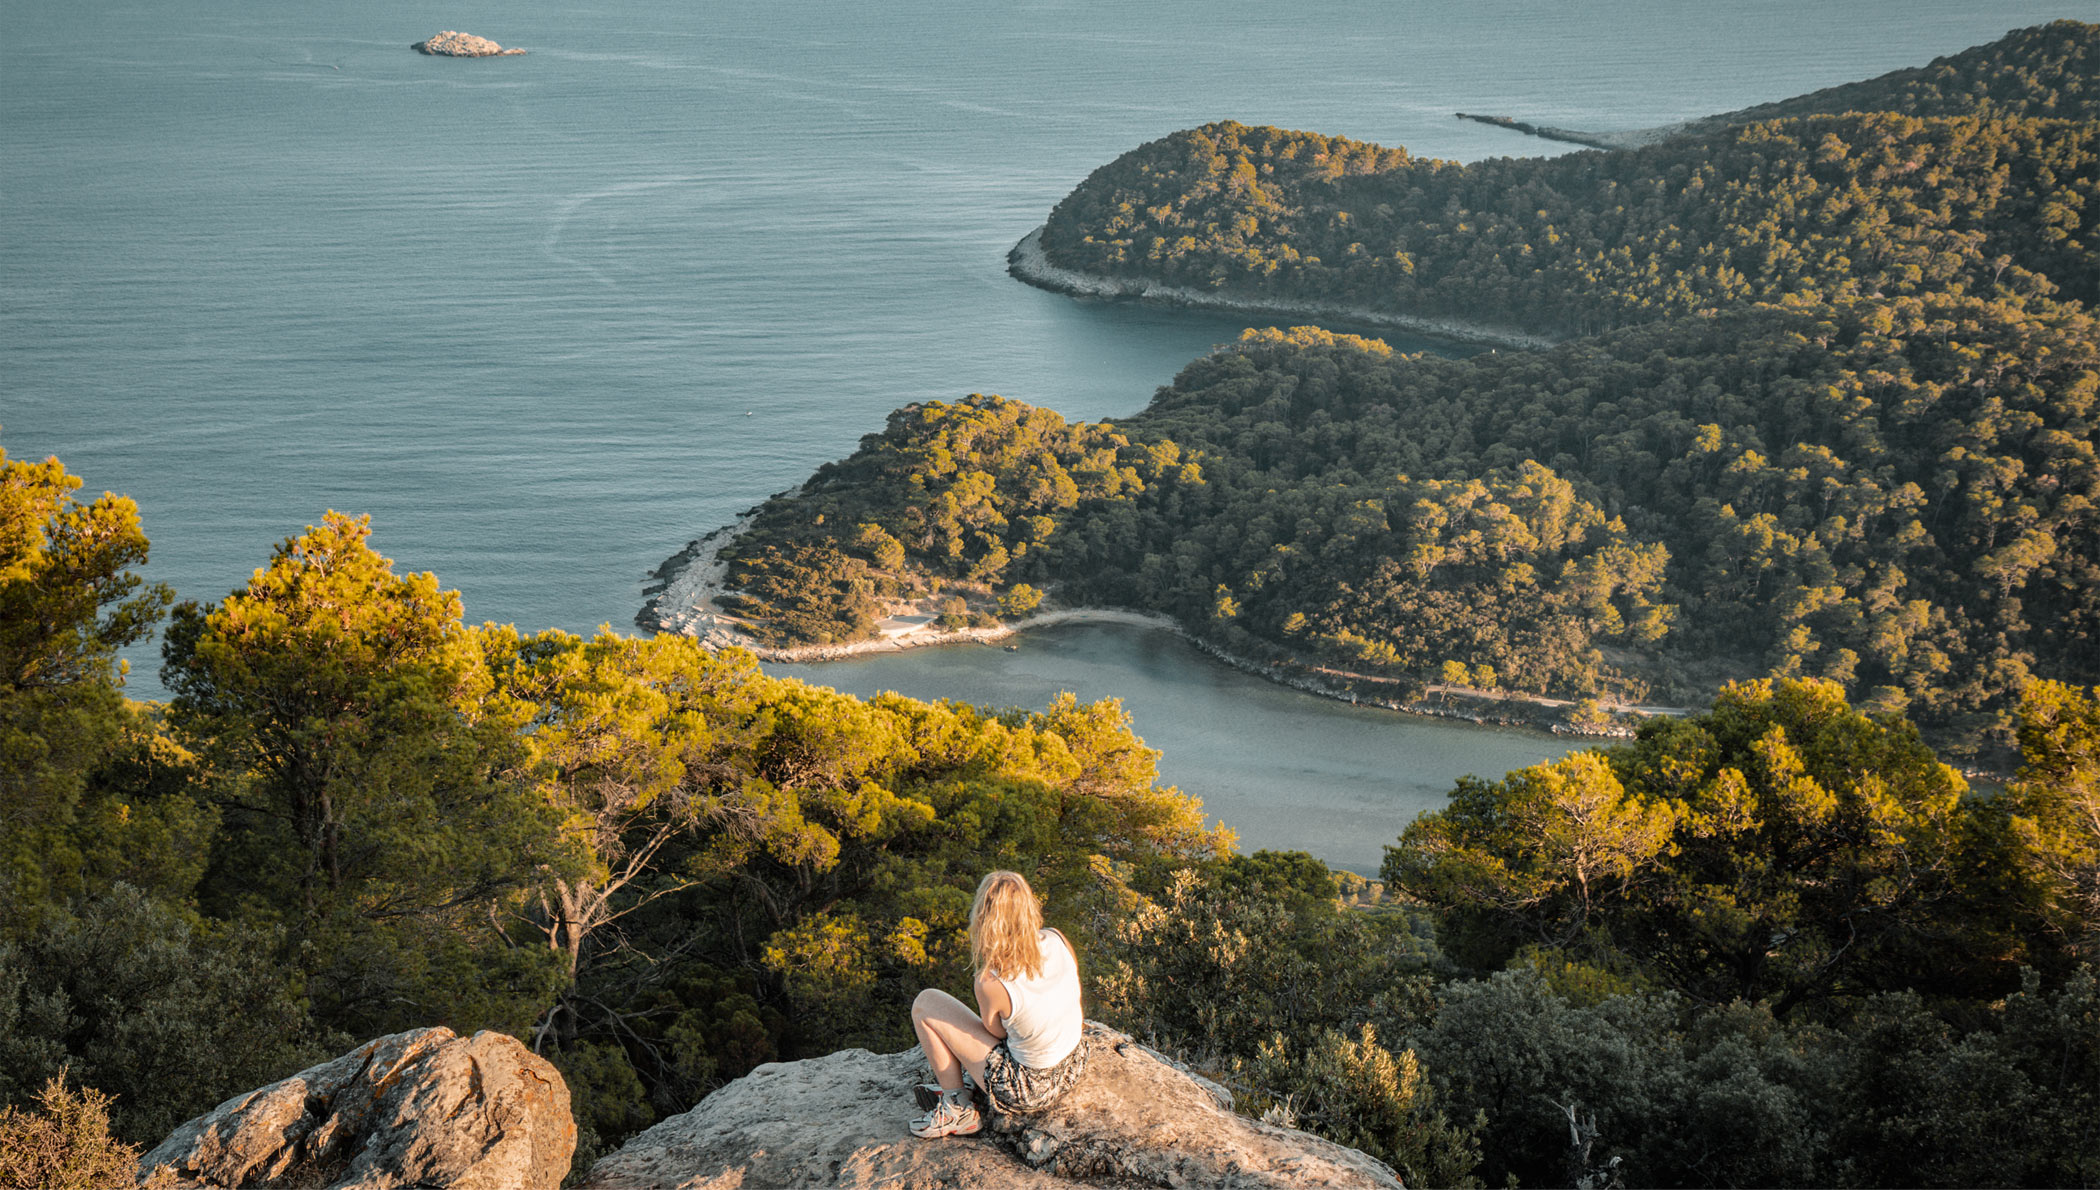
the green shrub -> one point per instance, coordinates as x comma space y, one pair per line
67, 1145
167, 1014
1363, 1095
1019, 600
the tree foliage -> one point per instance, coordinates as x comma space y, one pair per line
2044, 70
1545, 851
369, 805
1349, 1023
69, 599
2053, 812
1783, 848
1841, 435
658, 863
1894, 495
167, 1013
1253, 969
1828, 207
1832, 417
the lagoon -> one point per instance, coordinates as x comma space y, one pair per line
1285, 769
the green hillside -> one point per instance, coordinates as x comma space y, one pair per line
1830, 207
1823, 408
2048, 71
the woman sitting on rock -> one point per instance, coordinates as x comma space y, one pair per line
1024, 1045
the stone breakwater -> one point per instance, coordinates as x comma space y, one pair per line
1633, 139
454, 44
1027, 261
1571, 135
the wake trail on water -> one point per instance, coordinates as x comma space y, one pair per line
567, 208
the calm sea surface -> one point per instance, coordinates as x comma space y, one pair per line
548, 318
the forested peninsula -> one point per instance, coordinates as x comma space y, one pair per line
1822, 407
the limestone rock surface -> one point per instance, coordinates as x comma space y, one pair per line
415, 1109
1135, 1120
453, 44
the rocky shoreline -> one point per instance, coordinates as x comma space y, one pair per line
1459, 705
691, 581
1026, 261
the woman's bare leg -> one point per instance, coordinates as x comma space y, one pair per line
952, 1036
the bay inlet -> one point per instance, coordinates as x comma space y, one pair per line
1285, 769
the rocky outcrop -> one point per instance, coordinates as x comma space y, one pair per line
462, 45
1135, 1120
423, 1108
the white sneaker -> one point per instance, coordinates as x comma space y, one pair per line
946, 1119
928, 1095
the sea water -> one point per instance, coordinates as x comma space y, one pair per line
547, 318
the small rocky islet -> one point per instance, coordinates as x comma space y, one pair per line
453, 44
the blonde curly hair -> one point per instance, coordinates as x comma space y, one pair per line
1004, 922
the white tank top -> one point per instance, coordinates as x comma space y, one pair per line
1044, 1023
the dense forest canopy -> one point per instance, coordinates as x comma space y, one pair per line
1773, 944
2051, 71
1972, 175
1830, 416
1895, 495
359, 814
1834, 206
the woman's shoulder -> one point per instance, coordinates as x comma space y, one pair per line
1071, 951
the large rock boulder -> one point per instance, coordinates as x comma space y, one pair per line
1135, 1120
453, 44
423, 1108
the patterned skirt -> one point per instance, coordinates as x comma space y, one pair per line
1014, 1087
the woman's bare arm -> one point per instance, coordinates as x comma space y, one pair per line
993, 1003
